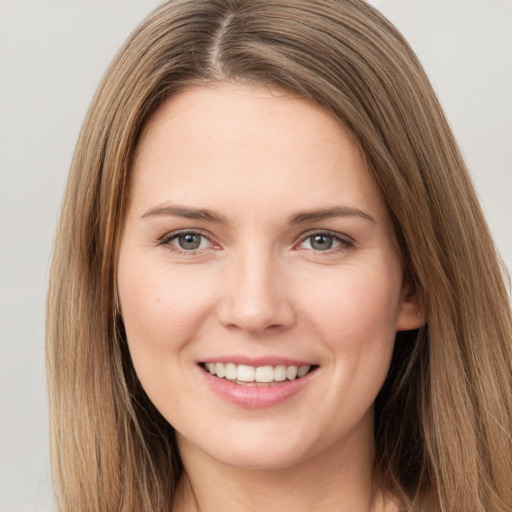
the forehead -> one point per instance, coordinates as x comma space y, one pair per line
240, 144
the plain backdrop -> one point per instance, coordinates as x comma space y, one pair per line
53, 54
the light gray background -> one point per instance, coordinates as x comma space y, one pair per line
52, 55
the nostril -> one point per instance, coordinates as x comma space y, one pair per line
260, 316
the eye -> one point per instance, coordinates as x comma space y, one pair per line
325, 241
189, 241
321, 242
186, 241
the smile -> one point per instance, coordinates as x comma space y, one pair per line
243, 374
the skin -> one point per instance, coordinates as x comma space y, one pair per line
256, 287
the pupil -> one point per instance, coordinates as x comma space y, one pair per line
189, 241
321, 242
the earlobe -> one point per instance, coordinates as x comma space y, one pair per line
410, 315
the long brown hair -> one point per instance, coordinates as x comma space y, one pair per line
443, 420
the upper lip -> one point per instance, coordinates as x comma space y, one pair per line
257, 361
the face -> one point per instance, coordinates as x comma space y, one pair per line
258, 277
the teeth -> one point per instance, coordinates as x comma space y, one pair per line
244, 373
302, 371
263, 374
280, 373
231, 371
220, 370
291, 372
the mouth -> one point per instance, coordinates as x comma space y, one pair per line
246, 375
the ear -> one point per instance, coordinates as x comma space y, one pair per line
410, 316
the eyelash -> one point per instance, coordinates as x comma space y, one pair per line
344, 242
167, 241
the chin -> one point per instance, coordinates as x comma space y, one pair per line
252, 452
269, 458
262, 460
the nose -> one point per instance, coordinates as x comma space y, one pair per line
255, 296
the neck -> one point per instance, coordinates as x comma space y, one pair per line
338, 479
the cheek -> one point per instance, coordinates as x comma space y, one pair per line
160, 308
353, 303
355, 317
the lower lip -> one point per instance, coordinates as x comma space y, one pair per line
256, 396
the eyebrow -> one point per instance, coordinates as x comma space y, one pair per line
184, 211
212, 216
328, 213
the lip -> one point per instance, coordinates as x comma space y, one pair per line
257, 361
256, 397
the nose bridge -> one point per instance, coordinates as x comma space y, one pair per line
255, 298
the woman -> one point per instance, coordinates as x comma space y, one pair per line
279, 291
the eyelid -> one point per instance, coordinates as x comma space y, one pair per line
345, 240
168, 237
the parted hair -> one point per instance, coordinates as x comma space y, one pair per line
443, 419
